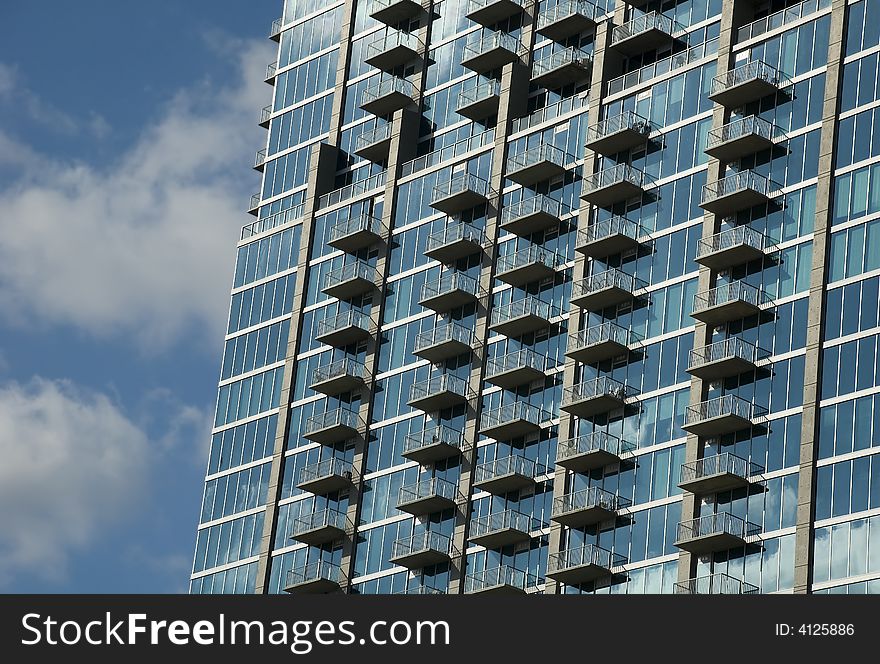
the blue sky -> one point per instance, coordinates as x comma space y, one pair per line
127, 130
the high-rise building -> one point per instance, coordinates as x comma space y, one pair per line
557, 297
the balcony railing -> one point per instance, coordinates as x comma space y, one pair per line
507, 474
618, 133
661, 67
490, 51
731, 301
512, 420
451, 290
644, 33
748, 82
600, 342
721, 415
254, 205
322, 526
739, 356
605, 289
275, 30
271, 71
266, 116
608, 236
460, 192
344, 328
489, 12
325, 476
537, 163
318, 576
719, 472
587, 507
332, 425
537, 314
779, 19
715, 584
260, 159
393, 12
440, 391
614, 185
454, 241
582, 564
501, 579
502, 528
444, 341
753, 132
351, 279
736, 192
389, 94
593, 450
525, 361
732, 246
393, 48
479, 101
532, 214
526, 265
561, 68
595, 396
567, 18
438, 442
369, 142
715, 532
339, 376
427, 496
356, 233
426, 548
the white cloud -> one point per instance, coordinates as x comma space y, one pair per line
142, 247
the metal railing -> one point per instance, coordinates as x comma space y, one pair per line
663, 66
275, 30
729, 238
433, 436
747, 126
532, 254
387, 85
715, 584
626, 121
437, 385
519, 359
272, 221
779, 19
318, 570
732, 292
334, 417
265, 114
373, 136
422, 590
271, 70
476, 5
509, 465
589, 498
566, 8
611, 278
342, 320
260, 158
326, 468
374, 183
478, 92
506, 520
378, 5
538, 154
643, 23
607, 332
356, 270
486, 42
337, 369
426, 541
617, 174
499, 576
448, 283
600, 230
255, 202
513, 412
718, 464
754, 70
392, 39
326, 518
716, 524
724, 406
598, 441
428, 488
442, 334
582, 556
364, 222
735, 183
550, 112
596, 387
448, 153
558, 59
527, 306
732, 347
530, 206
455, 232
459, 184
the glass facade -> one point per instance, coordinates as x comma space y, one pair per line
560, 297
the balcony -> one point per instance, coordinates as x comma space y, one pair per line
644, 33
450, 291
441, 391
421, 590
747, 83
717, 473
720, 416
733, 246
444, 342
727, 302
618, 133
490, 51
582, 564
715, 532
271, 72
327, 476
502, 580
390, 94
427, 496
351, 280
607, 237
374, 144
461, 192
275, 30
394, 12
323, 527
737, 192
515, 369
567, 19
393, 49
521, 317
512, 421
531, 215
600, 342
343, 329
729, 357
254, 205
537, 164
715, 584
352, 235
506, 474
316, 578
502, 528
615, 185
265, 116
440, 442
490, 12
454, 241
333, 426
480, 101
605, 289
338, 377
587, 507
592, 451
260, 160
561, 68
534, 263
422, 550
741, 138
595, 396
